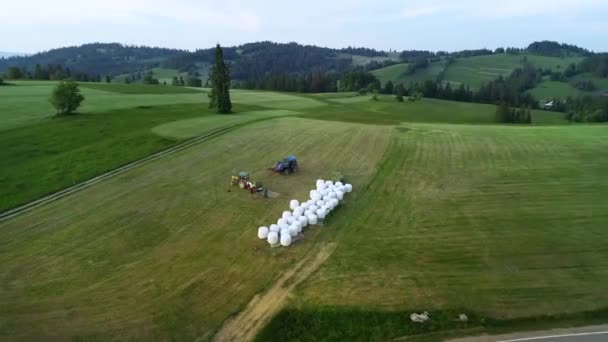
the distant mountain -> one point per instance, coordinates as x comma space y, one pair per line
4, 54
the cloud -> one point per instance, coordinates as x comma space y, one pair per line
419, 11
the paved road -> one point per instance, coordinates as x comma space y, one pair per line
598, 333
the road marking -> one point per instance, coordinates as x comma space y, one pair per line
555, 336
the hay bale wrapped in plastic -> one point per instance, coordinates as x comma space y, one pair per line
339, 184
293, 204
329, 183
321, 214
348, 187
320, 204
307, 212
283, 225
327, 208
313, 193
285, 240
332, 195
313, 208
340, 195
294, 230
290, 220
297, 212
284, 232
263, 233
275, 228
326, 198
299, 225
319, 182
334, 202
312, 219
281, 221
324, 192
304, 206
342, 188
286, 215
273, 238
303, 220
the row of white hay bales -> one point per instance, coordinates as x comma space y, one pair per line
323, 200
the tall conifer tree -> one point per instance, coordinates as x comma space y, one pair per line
219, 98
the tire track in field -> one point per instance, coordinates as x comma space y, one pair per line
122, 169
246, 324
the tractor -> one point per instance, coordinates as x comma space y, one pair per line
243, 181
286, 166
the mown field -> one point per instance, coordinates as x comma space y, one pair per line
450, 213
499, 222
472, 71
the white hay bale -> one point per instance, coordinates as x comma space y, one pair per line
298, 224
290, 220
326, 198
273, 238
319, 182
286, 214
321, 187
329, 183
317, 197
307, 212
332, 195
324, 192
293, 204
348, 187
312, 219
340, 195
285, 240
338, 184
342, 188
275, 228
263, 233
284, 225
304, 206
313, 208
303, 220
320, 204
297, 212
334, 202
313, 193
294, 230
281, 221
321, 214
327, 208
284, 232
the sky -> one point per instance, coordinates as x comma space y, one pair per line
30, 26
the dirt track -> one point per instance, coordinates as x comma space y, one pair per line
246, 325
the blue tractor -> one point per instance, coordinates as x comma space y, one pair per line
286, 166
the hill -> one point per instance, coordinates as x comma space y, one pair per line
4, 54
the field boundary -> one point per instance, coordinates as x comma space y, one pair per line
122, 169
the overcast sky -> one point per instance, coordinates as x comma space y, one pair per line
35, 25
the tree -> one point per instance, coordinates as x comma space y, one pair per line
400, 91
193, 81
1, 81
220, 84
389, 88
175, 81
108, 79
66, 97
14, 73
149, 79
181, 81
503, 113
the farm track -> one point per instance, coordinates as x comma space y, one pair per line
122, 169
246, 324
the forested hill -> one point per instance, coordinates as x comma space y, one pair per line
247, 61
95, 58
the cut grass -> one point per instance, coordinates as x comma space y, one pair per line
506, 222
392, 73
139, 88
168, 250
387, 111
554, 90
54, 154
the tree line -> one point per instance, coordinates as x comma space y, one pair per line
49, 72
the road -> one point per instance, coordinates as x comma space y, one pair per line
598, 333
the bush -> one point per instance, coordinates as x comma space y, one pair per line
66, 97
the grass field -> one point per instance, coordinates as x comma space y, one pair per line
450, 213
548, 90
493, 221
392, 73
164, 251
474, 71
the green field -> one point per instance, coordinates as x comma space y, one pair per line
501, 222
450, 214
548, 90
392, 73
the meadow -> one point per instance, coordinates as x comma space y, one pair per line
451, 213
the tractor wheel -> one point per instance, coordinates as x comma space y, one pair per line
241, 185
